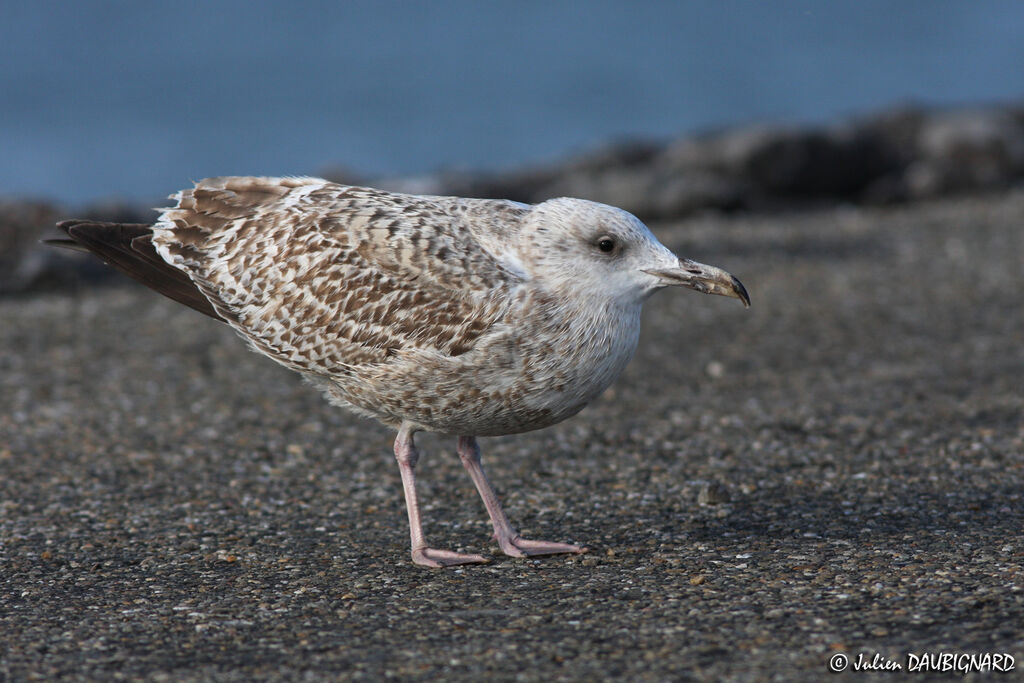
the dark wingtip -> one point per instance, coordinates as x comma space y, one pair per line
64, 243
68, 242
128, 248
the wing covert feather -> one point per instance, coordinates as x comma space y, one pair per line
328, 277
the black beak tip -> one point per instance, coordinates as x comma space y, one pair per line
741, 291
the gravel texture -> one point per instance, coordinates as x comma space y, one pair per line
838, 470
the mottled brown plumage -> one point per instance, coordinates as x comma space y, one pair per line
460, 316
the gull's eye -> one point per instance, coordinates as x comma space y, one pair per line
606, 244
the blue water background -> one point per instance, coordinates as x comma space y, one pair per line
131, 100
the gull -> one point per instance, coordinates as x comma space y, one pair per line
464, 317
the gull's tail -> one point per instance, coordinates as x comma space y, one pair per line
128, 247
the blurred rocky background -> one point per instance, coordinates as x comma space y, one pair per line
897, 155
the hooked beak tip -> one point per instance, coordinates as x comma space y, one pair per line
741, 292
704, 278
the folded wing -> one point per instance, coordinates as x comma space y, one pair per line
326, 277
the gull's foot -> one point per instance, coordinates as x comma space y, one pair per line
518, 546
432, 557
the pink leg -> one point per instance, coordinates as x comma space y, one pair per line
504, 533
407, 455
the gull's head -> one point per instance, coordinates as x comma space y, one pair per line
594, 248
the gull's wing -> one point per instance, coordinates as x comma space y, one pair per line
128, 247
325, 277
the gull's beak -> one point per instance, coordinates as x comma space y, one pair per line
702, 278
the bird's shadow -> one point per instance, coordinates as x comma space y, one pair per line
914, 516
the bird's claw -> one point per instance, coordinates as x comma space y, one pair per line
432, 557
517, 546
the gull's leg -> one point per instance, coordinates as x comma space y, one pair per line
504, 533
407, 455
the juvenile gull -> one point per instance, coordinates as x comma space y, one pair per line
467, 317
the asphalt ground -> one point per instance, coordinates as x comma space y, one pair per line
837, 472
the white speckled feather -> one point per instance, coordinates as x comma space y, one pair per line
405, 308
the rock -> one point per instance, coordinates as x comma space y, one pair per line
836, 163
22, 264
27, 264
967, 150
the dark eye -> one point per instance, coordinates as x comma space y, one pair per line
606, 244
